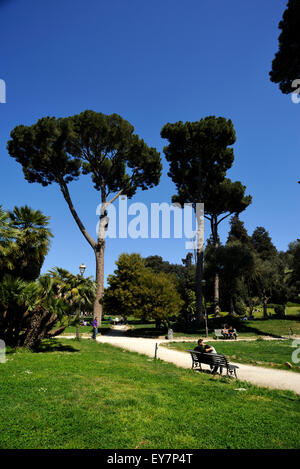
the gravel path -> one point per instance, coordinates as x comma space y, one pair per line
260, 376
267, 377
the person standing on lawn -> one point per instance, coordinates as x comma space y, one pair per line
95, 328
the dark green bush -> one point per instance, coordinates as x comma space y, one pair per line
279, 310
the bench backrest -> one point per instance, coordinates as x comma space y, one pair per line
218, 331
209, 358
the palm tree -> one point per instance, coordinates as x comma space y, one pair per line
79, 292
8, 235
31, 244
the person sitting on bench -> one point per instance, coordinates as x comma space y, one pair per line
232, 332
200, 346
205, 348
225, 332
210, 349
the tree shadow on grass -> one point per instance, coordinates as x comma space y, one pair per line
146, 333
54, 346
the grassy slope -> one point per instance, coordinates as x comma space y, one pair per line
260, 352
257, 327
90, 395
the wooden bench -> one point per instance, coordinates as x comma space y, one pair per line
213, 360
218, 335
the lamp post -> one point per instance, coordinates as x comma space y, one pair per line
82, 268
205, 311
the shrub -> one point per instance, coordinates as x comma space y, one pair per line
279, 310
240, 307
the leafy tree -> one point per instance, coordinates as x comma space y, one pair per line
286, 64
185, 280
137, 290
157, 298
104, 146
199, 154
119, 298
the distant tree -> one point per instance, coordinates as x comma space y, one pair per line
236, 264
104, 146
267, 281
227, 198
199, 154
158, 265
238, 232
293, 272
262, 244
286, 64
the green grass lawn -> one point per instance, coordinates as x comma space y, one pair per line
258, 327
87, 329
254, 328
90, 395
272, 353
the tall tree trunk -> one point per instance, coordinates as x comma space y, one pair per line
199, 209
199, 277
231, 309
265, 302
215, 236
216, 295
98, 247
251, 307
98, 307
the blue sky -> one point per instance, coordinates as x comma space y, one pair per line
152, 62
